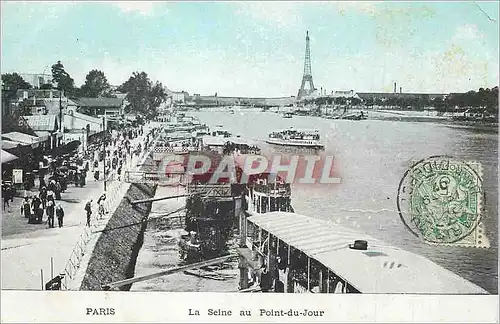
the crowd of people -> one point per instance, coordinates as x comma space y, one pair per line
55, 174
33, 208
117, 151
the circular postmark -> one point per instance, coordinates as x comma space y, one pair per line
439, 199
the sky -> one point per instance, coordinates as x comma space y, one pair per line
257, 48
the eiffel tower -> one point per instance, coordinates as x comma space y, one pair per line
307, 77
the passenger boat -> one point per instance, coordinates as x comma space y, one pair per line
226, 145
287, 115
310, 255
296, 138
360, 116
219, 131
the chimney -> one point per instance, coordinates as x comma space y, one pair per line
400, 89
394, 87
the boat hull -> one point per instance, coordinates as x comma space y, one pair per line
295, 144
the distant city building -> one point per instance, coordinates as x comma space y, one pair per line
179, 97
37, 79
384, 96
46, 127
345, 94
243, 101
35, 94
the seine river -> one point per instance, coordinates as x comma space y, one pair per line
371, 157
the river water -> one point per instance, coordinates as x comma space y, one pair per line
371, 156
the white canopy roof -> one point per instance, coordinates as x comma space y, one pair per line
305, 130
7, 157
220, 141
380, 269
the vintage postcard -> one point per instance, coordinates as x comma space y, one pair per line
249, 161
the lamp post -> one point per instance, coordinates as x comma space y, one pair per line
5, 100
104, 150
61, 120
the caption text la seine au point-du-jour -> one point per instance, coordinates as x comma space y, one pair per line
261, 312
221, 312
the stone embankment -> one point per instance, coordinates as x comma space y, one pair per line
115, 253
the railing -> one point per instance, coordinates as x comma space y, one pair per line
114, 196
273, 189
211, 190
294, 141
150, 177
78, 252
75, 258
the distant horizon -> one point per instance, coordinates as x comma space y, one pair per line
256, 49
283, 96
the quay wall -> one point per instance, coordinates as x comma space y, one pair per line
115, 253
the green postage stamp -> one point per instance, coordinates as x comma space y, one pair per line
440, 201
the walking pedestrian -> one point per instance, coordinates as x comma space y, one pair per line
26, 208
60, 215
43, 197
58, 191
50, 213
37, 210
88, 209
100, 203
119, 171
5, 195
50, 196
41, 178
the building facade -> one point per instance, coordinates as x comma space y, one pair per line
98, 107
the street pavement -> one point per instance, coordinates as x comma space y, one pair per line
32, 254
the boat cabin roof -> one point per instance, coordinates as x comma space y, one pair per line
299, 130
379, 269
213, 140
220, 141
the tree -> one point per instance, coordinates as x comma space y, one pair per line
14, 81
96, 85
11, 82
62, 78
157, 96
46, 86
439, 104
143, 97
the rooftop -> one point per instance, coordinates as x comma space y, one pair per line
7, 144
380, 269
44, 93
99, 102
42, 122
20, 137
7, 157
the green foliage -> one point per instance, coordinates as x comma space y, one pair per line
62, 78
96, 85
143, 96
11, 82
46, 86
25, 107
484, 98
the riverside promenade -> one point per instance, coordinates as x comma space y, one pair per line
75, 281
31, 259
